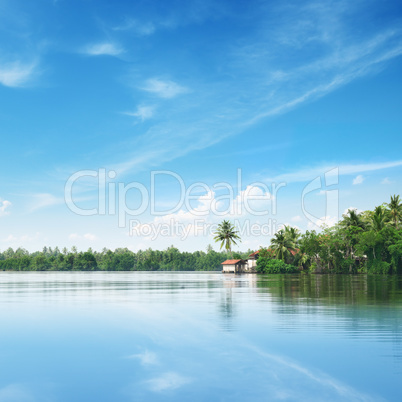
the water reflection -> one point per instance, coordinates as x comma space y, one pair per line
362, 305
199, 336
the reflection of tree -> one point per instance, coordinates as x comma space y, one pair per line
229, 296
332, 289
361, 306
226, 305
226, 309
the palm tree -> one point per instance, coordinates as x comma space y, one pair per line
283, 242
352, 218
353, 225
227, 235
395, 210
293, 234
378, 218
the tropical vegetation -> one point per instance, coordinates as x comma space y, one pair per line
121, 259
368, 241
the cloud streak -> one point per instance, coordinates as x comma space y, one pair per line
87, 236
103, 49
165, 89
328, 382
143, 112
261, 81
167, 382
17, 74
138, 27
43, 200
345, 169
146, 358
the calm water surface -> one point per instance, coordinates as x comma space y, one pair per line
134, 336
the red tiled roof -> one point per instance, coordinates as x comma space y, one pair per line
231, 262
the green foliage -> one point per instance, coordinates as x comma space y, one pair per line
40, 263
313, 267
370, 241
284, 244
121, 259
396, 257
85, 262
395, 210
380, 267
266, 265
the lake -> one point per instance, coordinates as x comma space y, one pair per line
199, 336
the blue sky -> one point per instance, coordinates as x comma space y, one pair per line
285, 92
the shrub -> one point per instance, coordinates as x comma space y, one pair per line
380, 267
267, 265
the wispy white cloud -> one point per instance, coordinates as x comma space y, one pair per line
43, 200
341, 389
3, 207
143, 112
257, 92
29, 238
386, 180
140, 28
311, 173
86, 236
359, 179
263, 77
103, 49
17, 74
368, 167
21, 239
167, 381
164, 88
355, 70
10, 238
146, 358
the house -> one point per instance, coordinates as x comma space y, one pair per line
249, 265
234, 266
241, 266
252, 261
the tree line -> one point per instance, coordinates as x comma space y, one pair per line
120, 259
369, 241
